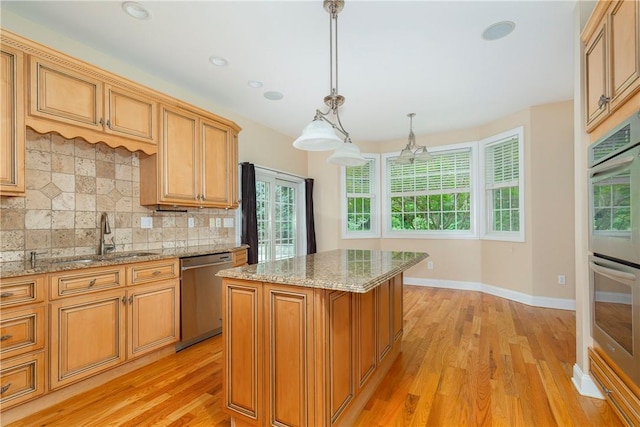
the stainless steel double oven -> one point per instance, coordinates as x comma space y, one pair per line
614, 240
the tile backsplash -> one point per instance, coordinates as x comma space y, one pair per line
70, 183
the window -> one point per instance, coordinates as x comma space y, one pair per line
360, 200
431, 198
280, 214
503, 186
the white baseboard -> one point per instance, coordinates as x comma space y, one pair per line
584, 383
532, 300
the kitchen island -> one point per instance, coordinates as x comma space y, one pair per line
308, 339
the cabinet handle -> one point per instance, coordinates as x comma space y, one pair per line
6, 294
155, 273
109, 124
93, 282
5, 388
604, 100
6, 337
131, 299
101, 122
124, 300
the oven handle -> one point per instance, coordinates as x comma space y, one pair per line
612, 273
611, 166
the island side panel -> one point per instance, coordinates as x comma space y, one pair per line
243, 336
289, 355
397, 296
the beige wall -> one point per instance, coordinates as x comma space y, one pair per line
530, 267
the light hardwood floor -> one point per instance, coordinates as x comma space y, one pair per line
468, 359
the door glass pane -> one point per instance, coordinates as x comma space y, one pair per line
263, 213
285, 222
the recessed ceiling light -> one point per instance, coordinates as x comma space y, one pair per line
273, 96
498, 30
136, 10
254, 84
218, 61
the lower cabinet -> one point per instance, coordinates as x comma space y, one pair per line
96, 331
87, 336
297, 356
23, 378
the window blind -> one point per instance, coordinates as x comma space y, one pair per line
502, 164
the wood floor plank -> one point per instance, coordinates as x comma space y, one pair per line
469, 359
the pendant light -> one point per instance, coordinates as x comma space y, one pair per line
412, 152
320, 134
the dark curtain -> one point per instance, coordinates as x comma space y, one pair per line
311, 227
248, 206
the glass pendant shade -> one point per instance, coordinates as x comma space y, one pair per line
318, 136
405, 157
347, 155
422, 154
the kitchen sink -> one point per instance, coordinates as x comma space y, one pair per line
95, 258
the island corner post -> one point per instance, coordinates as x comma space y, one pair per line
307, 340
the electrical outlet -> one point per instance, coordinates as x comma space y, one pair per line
561, 279
218, 222
430, 265
212, 222
192, 222
146, 222
228, 222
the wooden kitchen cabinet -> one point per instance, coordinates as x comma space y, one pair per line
12, 128
611, 59
104, 316
239, 258
195, 165
23, 339
87, 336
80, 100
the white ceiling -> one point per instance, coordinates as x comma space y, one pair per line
395, 57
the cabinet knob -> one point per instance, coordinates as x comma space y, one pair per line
604, 100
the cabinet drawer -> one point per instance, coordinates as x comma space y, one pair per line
83, 281
21, 290
22, 331
239, 258
22, 379
153, 271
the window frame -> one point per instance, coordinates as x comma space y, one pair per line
374, 233
472, 233
486, 231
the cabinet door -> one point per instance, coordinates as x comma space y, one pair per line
340, 330
384, 319
398, 306
130, 115
87, 336
67, 96
178, 154
153, 313
289, 355
216, 165
366, 356
624, 53
596, 80
12, 138
242, 329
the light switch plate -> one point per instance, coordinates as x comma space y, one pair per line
228, 222
212, 222
191, 222
146, 222
218, 222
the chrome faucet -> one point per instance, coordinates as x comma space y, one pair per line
105, 229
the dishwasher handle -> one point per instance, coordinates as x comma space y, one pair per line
213, 264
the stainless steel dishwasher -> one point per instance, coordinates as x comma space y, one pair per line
201, 297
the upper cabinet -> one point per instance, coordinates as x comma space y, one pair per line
612, 62
12, 132
84, 105
196, 162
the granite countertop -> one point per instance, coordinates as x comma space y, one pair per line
352, 270
50, 265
